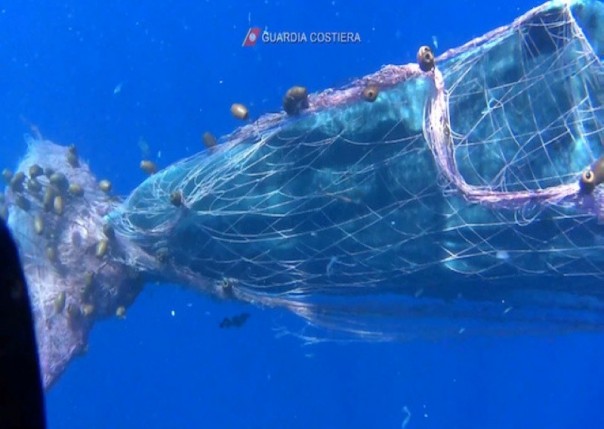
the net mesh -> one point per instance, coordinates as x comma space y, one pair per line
436, 209
466, 173
58, 232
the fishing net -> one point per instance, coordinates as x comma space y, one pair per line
451, 177
465, 198
56, 218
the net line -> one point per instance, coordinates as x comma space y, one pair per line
434, 208
473, 168
504, 186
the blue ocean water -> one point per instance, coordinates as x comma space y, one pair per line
110, 77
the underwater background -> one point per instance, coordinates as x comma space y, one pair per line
130, 80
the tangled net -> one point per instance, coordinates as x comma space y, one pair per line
467, 173
430, 210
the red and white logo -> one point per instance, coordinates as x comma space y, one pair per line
252, 37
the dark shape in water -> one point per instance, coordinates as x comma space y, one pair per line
236, 321
209, 141
21, 396
72, 156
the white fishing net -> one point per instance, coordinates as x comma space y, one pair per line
438, 208
58, 229
468, 172
355, 193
